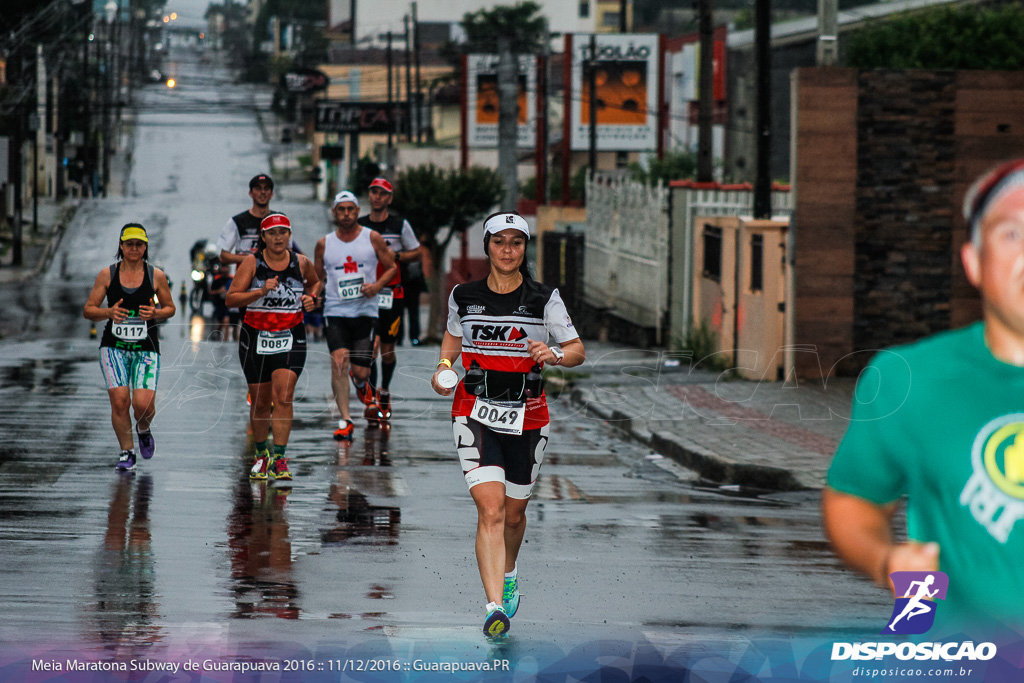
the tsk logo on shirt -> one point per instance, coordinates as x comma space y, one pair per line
914, 612
995, 492
498, 333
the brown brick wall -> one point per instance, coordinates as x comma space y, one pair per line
884, 159
825, 181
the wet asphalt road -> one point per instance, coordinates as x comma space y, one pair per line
371, 550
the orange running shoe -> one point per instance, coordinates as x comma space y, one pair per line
344, 430
366, 393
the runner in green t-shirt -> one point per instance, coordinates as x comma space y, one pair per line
941, 422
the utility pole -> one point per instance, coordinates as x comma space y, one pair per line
416, 56
391, 109
623, 7
408, 79
763, 47
508, 121
542, 116
706, 94
592, 103
828, 30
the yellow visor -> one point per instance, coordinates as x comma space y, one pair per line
134, 234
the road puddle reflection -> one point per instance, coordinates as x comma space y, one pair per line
262, 580
125, 608
360, 475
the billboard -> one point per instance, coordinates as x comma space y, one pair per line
482, 100
334, 116
626, 91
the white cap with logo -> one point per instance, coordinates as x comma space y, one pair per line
497, 222
345, 196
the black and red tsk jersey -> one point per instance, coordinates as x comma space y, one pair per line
496, 330
398, 235
280, 309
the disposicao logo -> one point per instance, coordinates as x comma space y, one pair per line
914, 612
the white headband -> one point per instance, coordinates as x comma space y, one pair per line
504, 221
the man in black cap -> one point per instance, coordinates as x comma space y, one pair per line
238, 238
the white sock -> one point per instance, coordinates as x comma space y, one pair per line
512, 574
491, 606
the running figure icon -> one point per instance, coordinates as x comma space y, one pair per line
915, 605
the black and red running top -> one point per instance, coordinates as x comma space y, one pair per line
281, 308
496, 330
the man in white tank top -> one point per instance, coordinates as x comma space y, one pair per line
346, 261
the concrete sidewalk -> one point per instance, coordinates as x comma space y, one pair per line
37, 247
768, 435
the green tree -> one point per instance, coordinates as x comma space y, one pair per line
435, 199
673, 166
963, 37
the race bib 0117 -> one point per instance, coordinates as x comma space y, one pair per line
130, 329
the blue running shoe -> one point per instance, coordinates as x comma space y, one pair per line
126, 463
510, 596
496, 624
147, 446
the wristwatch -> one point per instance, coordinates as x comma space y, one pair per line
559, 355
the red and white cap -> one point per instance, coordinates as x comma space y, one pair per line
275, 220
497, 222
384, 184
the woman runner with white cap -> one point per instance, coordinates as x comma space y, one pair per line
501, 326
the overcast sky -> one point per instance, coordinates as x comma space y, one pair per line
190, 12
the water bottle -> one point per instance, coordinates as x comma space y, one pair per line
534, 382
474, 381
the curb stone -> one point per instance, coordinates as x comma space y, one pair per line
694, 456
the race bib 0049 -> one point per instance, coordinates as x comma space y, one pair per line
501, 416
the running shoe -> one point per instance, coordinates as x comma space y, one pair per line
278, 468
260, 465
365, 393
372, 413
510, 596
126, 463
497, 623
344, 430
147, 446
384, 402
248, 398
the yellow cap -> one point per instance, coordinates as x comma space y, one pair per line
134, 232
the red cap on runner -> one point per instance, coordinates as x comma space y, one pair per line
275, 220
383, 184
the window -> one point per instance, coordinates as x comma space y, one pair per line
610, 20
713, 253
584, 9
756, 263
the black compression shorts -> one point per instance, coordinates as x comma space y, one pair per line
389, 324
258, 367
486, 455
354, 334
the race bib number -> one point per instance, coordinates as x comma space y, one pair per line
130, 329
386, 299
269, 343
350, 288
505, 417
